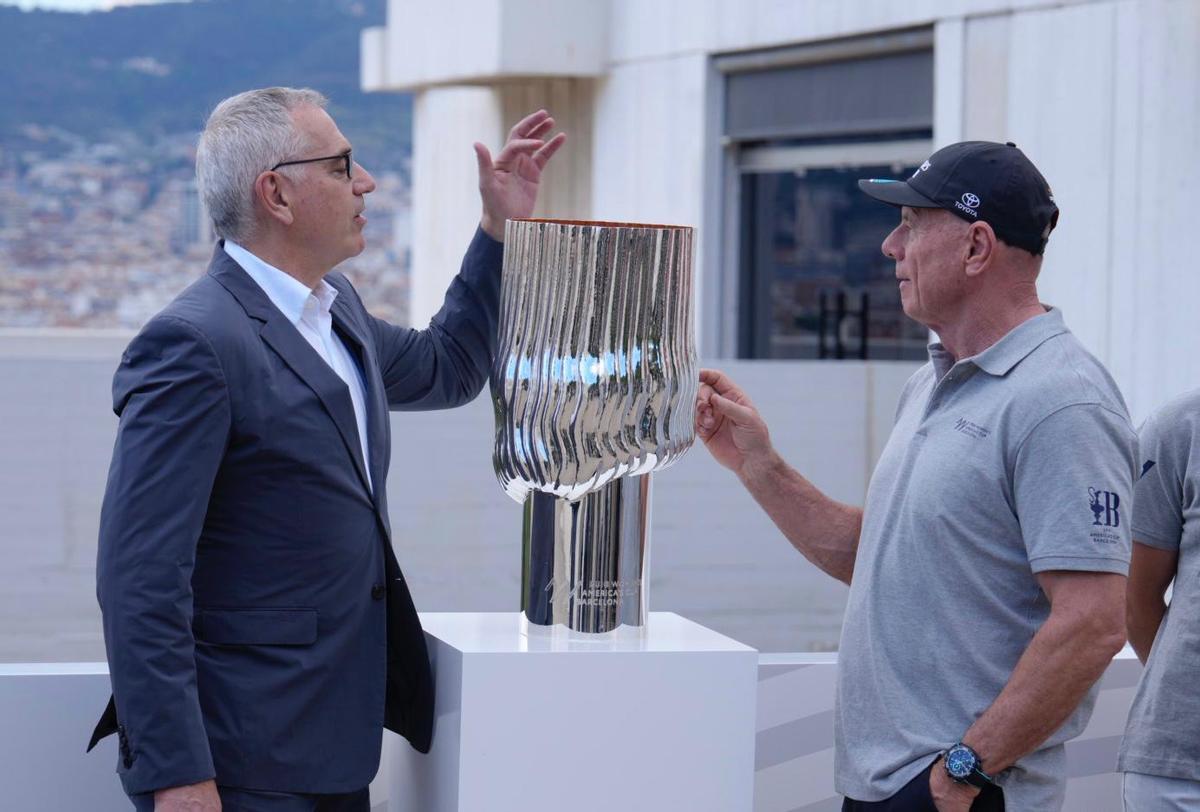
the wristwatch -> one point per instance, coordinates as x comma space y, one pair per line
962, 764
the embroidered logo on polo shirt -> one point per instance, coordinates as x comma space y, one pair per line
1105, 505
1106, 515
971, 429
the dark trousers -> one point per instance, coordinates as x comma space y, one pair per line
247, 800
916, 797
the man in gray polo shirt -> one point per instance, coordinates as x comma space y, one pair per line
1160, 754
987, 569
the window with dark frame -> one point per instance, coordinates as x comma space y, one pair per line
804, 125
813, 268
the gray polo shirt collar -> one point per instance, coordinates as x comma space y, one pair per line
1009, 351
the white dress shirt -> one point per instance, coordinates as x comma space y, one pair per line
308, 311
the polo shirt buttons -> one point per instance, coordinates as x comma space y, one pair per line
378, 592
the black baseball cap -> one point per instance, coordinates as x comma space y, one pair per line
980, 181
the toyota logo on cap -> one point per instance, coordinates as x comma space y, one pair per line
970, 201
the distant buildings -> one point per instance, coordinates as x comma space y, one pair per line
193, 227
106, 234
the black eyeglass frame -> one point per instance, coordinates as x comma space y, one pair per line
343, 156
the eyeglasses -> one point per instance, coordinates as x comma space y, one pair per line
345, 157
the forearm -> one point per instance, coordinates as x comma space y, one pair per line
1063, 660
472, 299
1151, 571
825, 531
1143, 616
447, 363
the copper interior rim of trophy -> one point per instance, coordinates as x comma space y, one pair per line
597, 223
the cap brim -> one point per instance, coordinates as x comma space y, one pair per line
897, 193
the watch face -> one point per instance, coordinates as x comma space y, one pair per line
960, 762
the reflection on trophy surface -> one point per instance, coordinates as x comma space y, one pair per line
594, 386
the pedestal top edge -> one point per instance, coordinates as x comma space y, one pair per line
53, 669
509, 632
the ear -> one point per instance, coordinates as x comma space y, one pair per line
274, 197
980, 248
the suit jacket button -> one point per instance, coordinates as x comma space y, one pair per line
378, 592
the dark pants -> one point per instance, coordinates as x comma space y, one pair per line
246, 800
916, 797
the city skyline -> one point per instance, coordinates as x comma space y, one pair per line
100, 222
106, 234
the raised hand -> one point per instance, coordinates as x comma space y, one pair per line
509, 184
731, 428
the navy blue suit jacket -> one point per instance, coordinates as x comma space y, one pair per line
257, 624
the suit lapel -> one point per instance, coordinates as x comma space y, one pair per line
285, 339
348, 325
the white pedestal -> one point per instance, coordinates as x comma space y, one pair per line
530, 720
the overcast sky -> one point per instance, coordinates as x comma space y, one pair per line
79, 5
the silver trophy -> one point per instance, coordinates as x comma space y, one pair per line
594, 387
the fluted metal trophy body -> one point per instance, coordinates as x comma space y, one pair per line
594, 387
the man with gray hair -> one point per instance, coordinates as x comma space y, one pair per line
259, 631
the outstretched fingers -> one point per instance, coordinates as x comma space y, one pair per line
521, 146
540, 131
483, 158
546, 152
526, 127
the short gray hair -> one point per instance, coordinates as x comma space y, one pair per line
246, 135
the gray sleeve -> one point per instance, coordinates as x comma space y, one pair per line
1158, 494
1072, 483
